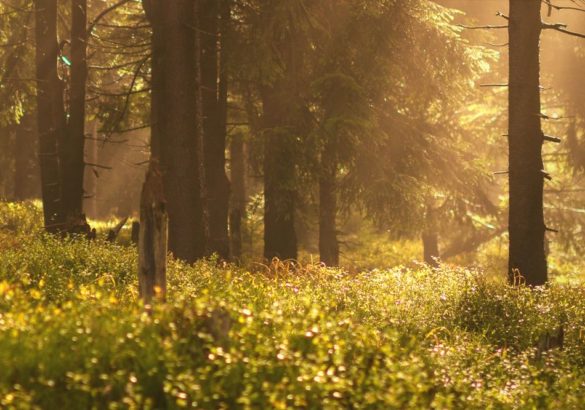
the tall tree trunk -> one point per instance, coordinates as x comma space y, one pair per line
238, 183
24, 159
8, 136
282, 125
526, 219
214, 103
328, 244
72, 146
280, 238
91, 174
176, 130
50, 111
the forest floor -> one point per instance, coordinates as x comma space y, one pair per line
74, 335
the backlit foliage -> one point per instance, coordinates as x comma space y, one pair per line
74, 335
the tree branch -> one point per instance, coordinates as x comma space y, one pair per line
548, 3
488, 27
104, 13
560, 28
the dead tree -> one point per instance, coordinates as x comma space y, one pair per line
152, 245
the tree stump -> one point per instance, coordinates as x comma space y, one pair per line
153, 237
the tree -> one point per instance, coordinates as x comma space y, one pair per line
280, 196
176, 122
25, 169
328, 243
238, 202
72, 144
283, 124
526, 171
50, 114
386, 140
61, 133
213, 23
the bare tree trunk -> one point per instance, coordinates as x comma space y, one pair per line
176, 130
73, 143
526, 219
91, 174
24, 159
282, 128
238, 182
280, 238
8, 136
430, 241
328, 244
50, 111
214, 102
152, 245
430, 238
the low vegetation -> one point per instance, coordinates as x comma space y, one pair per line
73, 334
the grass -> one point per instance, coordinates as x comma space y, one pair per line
73, 334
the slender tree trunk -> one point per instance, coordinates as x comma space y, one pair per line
214, 103
176, 131
8, 136
91, 174
430, 238
51, 118
526, 219
24, 159
430, 241
73, 143
238, 183
282, 127
328, 244
280, 238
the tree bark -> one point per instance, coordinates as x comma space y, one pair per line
176, 122
214, 103
24, 159
430, 238
282, 125
430, 241
328, 244
153, 236
73, 143
280, 238
92, 175
50, 111
238, 183
526, 219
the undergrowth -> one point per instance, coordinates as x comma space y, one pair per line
74, 335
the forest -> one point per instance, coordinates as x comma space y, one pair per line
292, 204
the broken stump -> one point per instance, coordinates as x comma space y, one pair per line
153, 237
